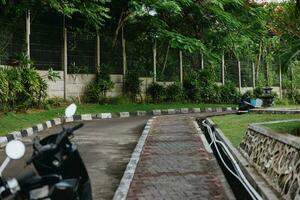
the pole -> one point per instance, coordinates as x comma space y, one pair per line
124, 54
202, 61
65, 57
240, 75
181, 71
154, 60
223, 69
98, 54
253, 75
280, 82
28, 33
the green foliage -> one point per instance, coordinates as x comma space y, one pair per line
229, 93
174, 93
156, 92
132, 85
97, 89
21, 88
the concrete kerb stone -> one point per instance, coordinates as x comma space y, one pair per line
124, 114
122, 190
86, 117
202, 136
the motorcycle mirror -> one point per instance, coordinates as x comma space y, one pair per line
15, 149
70, 110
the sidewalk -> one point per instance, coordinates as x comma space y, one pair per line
175, 165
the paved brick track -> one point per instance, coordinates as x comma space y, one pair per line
175, 165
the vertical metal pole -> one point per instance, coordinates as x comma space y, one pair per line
181, 70
65, 56
154, 60
280, 82
28, 33
202, 61
124, 55
98, 54
240, 75
223, 69
253, 75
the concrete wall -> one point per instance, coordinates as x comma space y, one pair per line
76, 84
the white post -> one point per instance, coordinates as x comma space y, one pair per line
280, 82
124, 55
98, 54
240, 75
202, 62
65, 57
28, 33
223, 69
253, 75
154, 61
181, 71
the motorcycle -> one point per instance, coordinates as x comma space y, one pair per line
61, 173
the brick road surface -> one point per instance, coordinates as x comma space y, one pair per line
175, 165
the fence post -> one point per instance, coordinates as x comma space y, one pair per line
28, 33
98, 54
240, 75
124, 55
253, 75
223, 69
202, 61
154, 60
181, 70
280, 82
65, 56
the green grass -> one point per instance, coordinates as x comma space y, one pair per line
286, 127
235, 126
12, 121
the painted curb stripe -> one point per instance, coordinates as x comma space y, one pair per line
87, 117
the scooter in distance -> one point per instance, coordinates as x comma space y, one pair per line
61, 173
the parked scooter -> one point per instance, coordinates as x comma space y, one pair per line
61, 173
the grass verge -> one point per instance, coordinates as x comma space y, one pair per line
15, 121
235, 126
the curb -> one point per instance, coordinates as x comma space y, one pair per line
274, 111
123, 188
88, 117
250, 172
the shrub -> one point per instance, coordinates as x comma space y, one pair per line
132, 85
229, 93
258, 92
174, 92
191, 87
97, 89
156, 92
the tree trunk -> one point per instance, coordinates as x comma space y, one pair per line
258, 59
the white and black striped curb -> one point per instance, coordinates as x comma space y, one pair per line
122, 190
87, 117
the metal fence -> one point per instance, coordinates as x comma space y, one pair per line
46, 51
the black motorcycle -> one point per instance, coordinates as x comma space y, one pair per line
61, 173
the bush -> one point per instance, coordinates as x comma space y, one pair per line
174, 92
132, 85
21, 88
156, 92
199, 86
97, 89
258, 92
229, 93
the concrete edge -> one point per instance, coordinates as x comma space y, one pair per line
257, 181
87, 117
227, 189
275, 111
123, 188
